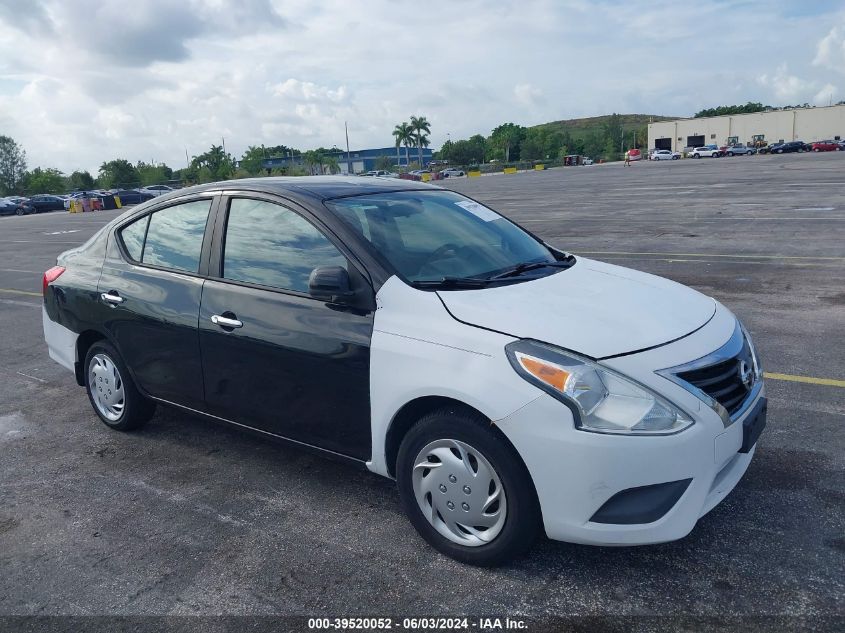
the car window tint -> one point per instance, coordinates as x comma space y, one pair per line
133, 237
174, 237
270, 245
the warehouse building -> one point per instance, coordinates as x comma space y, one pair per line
357, 160
756, 129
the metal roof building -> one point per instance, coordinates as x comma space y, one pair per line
358, 160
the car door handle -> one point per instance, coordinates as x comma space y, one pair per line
112, 297
225, 321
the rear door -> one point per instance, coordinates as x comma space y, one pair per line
292, 365
149, 297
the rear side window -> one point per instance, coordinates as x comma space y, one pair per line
171, 238
270, 245
133, 237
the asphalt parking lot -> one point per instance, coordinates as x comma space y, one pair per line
185, 517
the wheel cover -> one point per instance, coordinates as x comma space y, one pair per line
106, 386
459, 492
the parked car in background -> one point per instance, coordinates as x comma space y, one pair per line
790, 147
739, 150
665, 154
825, 146
133, 196
767, 149
453, 172
157, 190
46, 202
587, 161
634, 154
15, 207
708, 151
379, 173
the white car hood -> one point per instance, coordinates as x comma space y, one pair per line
592, 308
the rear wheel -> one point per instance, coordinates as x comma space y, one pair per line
111, 390
19, 211
816, 149
778, 151
465, 489
696, 155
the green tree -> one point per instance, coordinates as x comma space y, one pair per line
252, 159
613, 132
751, 106
312, 159
611, 150
384, 163
12, 166
506, 139
332, 165
43, 181
153, 174
215, 164
79, 181
118, 174
404, 135
421, 128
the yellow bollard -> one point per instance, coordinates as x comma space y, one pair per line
117, 202
510, 170
540, 167
426, 177
473, 174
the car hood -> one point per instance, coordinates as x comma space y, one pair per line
592, 308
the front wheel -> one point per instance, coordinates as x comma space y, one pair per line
465, 490
778, 151
696, 155
111, 390
730, 153
816, 149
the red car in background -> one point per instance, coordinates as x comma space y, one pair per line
826, 146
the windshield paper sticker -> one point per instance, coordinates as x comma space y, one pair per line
478, 210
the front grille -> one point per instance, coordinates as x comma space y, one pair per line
722, 381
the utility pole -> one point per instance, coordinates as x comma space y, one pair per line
187, 160
348, 157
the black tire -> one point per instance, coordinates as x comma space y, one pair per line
137, 409
730, 153
19, 211
523, 519
778, 151
816, 149
696, 155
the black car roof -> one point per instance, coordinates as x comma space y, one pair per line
316, 187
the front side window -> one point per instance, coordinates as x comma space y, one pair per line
429, 235
270, 245
171, 238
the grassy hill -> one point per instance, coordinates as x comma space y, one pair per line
581, 128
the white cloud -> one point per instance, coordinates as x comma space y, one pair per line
526, 94
830, 50
826, 95
164, 77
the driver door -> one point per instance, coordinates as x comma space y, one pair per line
274, 358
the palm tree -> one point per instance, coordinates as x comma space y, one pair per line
403, 133
421, 127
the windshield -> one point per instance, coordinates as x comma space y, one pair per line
431, 235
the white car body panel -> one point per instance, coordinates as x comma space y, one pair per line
61, 342
586, 308
418, 350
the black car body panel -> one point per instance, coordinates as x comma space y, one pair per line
298, 369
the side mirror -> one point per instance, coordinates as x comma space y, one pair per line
330, 284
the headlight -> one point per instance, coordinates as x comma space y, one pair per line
601, 400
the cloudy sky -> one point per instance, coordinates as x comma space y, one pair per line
83, 81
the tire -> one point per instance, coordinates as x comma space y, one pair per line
19, 211
676, 157
696, 155
816, 149
730, 153
105, 368
778, 151
467, 443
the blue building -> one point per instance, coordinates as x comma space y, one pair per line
358, 160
